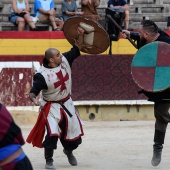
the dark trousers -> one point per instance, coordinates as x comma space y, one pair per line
162, 119
168, 22
51, 142
162, 115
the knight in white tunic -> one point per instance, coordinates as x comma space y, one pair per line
58, 114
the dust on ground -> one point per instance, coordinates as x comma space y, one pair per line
107, 145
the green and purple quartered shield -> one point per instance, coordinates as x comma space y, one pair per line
151, 67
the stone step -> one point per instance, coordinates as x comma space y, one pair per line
156, 18
149, 1
150, 8
166, 1
147, 8
135, 25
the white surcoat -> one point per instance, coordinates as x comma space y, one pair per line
58, 81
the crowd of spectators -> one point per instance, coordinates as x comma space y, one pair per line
45, 13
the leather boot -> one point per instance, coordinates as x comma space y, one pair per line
157, 147
71, 158
157, 152
48, 154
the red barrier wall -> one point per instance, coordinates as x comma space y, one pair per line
95, 77
104, 77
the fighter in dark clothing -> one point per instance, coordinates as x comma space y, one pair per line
12, 156
149, 32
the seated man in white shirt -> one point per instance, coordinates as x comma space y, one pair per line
44, 11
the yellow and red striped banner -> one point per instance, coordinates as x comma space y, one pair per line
35, 43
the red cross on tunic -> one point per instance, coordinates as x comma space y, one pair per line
62, 80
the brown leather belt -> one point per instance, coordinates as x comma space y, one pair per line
11, 157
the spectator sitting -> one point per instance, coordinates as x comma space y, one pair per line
69, 9
44, 11
123, 5
89, 7
20, 14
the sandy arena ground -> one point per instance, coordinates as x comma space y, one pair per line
111, 145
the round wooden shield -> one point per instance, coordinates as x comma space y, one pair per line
100, 41
150, 67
